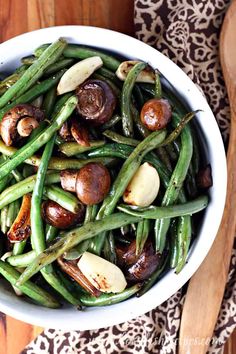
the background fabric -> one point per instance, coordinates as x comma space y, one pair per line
187, 31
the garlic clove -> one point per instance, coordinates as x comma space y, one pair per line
147, 75
103, 275
143, 187
78, 73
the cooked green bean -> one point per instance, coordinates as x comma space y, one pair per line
111, 123
127, 121
18, 248
109, 250
29, 149
120, 138
34, 72
49, 102
4, 212
63, 198
10, 217
30, 289
22, 260
73, 148
109, 299
142, 233
57, 66
51, 233
167, 212
183, 241
158, 88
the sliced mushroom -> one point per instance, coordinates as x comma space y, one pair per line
71, 268
20, 229
204, 178
138, 267
30, 115
78, 73
143, 187
96, 101
79, 132
59, 217
91, 185
103, 275
156, 114
65, 133
147, 75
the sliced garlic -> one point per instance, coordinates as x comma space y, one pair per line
143, 187
147, 75
78, 73
103, 275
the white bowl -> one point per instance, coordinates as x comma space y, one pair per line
69, 318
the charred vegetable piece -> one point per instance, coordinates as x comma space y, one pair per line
59, 217
139, 267
146, 75
156, 114
19, 122
71, 268
79, 132
96, 101
204, 178
20, 229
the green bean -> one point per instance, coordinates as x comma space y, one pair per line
183, 242
173, 244
22, 260
19, 189
66, 199
153, 278
164, 157
51, 233
36, 91
49, 102
73, 148
126, 93
58, 65
107, 74
176, 182
111, 123
29, 60
158, 88
148, 89
37, 131
120, 138
139, 99
37, 230
144, 132
171, 152
18, 248
74, 237
91, 212
27, 150
114, 87
109, 250
142, 233
56, 163
30, 289
5, 181
109, 299
4, 212
167, 212
127, 171
34, 72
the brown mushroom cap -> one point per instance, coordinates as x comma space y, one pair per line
156, 114
93, 183
59, 217
8, 125
97, 101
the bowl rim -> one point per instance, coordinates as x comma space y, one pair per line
169, 284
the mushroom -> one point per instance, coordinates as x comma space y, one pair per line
138, 191
138, 267
20, 229
156, 114
91, 183
147, 75
74, 130
96, 101
59, 217
19, 122
204, 178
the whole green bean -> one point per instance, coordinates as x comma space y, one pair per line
34, 72
183, 241
28, 150
176, 183
109, 250
158, 88
10, 217
166, 212
36, 91
126, 93
66, 199
18, 248
56, 163
109, 299
143, 229
173, 244
73, 148
51, 233
4, 212
144, 132
19, 189
30, 289
58, 65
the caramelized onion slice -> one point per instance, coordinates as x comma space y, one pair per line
20, 229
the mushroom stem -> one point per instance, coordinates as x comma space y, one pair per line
26, 126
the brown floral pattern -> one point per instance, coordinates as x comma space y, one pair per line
187, 31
